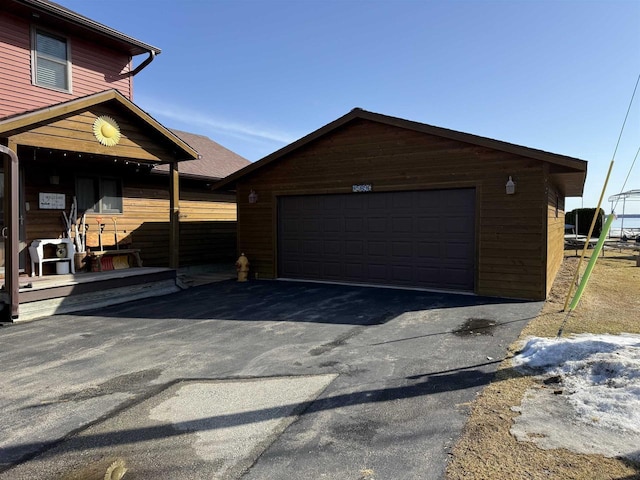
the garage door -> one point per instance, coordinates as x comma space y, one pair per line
416, 239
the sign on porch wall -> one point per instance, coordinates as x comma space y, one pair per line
51, 201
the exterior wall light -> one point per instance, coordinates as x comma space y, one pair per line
511, 186
253, 196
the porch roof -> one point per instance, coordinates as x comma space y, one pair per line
69, 126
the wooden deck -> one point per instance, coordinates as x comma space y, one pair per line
56, 294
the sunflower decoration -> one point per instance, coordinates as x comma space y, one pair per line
106, 130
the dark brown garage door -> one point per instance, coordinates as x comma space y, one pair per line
418, 239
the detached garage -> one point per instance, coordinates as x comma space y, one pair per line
373, 199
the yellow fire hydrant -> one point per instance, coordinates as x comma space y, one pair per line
242, 266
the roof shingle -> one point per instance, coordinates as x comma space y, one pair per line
217, 161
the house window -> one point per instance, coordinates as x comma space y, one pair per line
99, 195
50, 61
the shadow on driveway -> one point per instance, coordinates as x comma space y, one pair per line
268, 300
428, 384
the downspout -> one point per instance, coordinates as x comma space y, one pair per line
11, 274
147, 61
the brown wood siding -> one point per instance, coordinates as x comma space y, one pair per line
555, 233
510, 229
75, 133
207, 224
94, 69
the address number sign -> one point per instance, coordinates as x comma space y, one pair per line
361, 188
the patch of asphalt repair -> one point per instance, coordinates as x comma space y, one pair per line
226, 423
338, 342
121, 383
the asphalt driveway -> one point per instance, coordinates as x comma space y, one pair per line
264, 380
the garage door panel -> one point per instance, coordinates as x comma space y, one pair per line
293, 267
377, 248
332, 270
354, 224
311, 202
330, 203
377, 272
332, 225
453, 225
458, 279
354, 247
402, 200
402, 225
355, 204
312, 247
427, 274
401, 274
375, 202
425, 224
416, 238
428, 250
311, 225
402, 249
353, 271
456, 250
377, 225
332, 248
290, 245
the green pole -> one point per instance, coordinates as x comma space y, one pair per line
592, 261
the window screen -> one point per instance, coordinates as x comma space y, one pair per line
111, 196
87, 194
99, 195
51, 61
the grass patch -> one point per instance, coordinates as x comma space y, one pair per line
486, 449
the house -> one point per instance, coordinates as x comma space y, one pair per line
69, 128
373, 199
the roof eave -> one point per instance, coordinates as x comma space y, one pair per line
190, 176
59, 11
23, 120
568, 162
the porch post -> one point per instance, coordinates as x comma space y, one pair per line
174, 221
10, 233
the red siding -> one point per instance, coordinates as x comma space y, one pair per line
94, 69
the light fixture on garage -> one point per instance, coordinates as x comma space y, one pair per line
511, 186
253, 196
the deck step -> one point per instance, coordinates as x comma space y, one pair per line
44, 302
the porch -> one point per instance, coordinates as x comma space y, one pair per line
58, 294
56, 157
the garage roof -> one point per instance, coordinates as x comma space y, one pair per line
568, 172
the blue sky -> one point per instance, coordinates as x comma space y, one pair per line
257, 75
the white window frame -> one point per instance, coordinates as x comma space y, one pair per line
35, 54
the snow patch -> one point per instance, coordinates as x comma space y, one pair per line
600, 393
